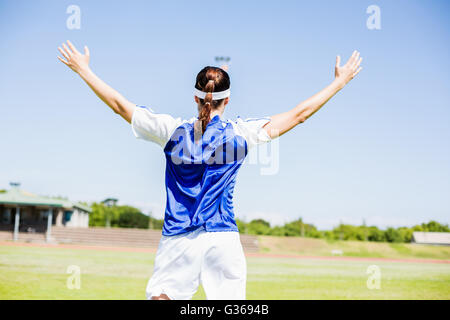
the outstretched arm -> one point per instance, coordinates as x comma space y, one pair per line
80, 64
283, 122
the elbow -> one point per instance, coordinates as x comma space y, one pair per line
301, 118
117, 108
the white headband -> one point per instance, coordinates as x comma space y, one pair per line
215, 95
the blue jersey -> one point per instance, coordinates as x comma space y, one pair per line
201, 168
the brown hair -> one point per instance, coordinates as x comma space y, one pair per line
210, 79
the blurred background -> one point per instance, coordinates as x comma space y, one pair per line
377, 153
357, 208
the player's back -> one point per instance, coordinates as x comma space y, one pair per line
201, 168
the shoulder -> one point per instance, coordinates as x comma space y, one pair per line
157, 127
251, 129
248, 124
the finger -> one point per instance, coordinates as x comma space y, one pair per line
68, 52
63, 61
355, 61
72, 47
338, 61
63, 53
357, 71
351, 59
86, 51
357, 64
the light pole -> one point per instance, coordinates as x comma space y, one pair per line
109, 203
224, 61
365, 229
16, 185
48, 236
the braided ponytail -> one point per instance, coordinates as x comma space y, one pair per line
209, 80
205, 112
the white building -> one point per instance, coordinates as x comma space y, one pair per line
436, 238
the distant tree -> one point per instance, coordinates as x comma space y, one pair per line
349, 232
97, 218
258, 227
156, 224
314, 233
434, 226
294, 228
118, 216
299, 228
279, 231
329, 235
375, 234
242, 226
130, 217
405, 234
393, 235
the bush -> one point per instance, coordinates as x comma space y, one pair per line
349, 232
393, 235
279, 231
132, 218
258, 227
242, 226
434, 226
156, 224
375, 234
118, 216
405, 233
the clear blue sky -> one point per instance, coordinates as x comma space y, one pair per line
377, 151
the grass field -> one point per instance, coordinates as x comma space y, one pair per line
40, 273
321, 247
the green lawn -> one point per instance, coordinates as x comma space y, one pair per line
322, 247
40, 273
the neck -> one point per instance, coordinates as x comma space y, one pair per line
216, 112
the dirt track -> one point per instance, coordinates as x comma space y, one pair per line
257, 255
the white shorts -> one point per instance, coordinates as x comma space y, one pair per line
214, 259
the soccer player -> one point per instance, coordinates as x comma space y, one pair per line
200, 240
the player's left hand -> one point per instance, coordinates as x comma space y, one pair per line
73, 58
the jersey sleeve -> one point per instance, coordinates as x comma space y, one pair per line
252, 130
151, 126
